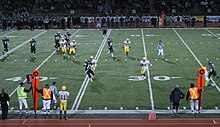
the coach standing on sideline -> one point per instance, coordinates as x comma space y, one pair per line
175, 97
4, 99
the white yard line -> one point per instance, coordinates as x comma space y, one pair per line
10, 51
148, 73
212, 33
86, 80
194, 56
8, 33
40, 66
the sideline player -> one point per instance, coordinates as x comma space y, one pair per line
144, 64
33, 44
63, 101
160, 48
72, 50
126, 46
5, 43
110, 46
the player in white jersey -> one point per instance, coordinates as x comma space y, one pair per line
72, 50
53, 88
144, 64
63, 95
63, 43
160, 48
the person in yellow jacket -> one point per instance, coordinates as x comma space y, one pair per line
193, 95
22, 98
63, 95
47, 97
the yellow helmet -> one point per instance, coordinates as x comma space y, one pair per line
91, 57
58, 32
204, 68
63, 38
74, 40
145, 58
127, 39
63, 88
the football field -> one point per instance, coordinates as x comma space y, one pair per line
116, 84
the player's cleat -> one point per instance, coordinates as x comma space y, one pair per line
91, 79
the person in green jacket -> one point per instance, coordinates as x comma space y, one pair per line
22, 98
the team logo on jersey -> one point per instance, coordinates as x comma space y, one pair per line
135, 78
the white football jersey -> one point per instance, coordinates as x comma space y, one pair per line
126, 43
144, 63
63, 95
63, 43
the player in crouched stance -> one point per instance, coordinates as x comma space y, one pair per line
90, 65
72, 50
144, 65
63, 95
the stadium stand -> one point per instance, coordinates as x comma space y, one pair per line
128, 13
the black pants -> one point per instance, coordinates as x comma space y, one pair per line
90, 73
33, 50
6, 48
212, 73
4, 111
176, 105
110, 49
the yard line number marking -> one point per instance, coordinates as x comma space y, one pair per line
41, 64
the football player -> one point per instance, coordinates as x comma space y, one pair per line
126, 46
5, 43
144, 64
206, 76
72, 50
212, 70
88, 69
57, 38
64, 94
67, 38
160, 48
93, 62
104, 31
110, 46
63, 46
33, 44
